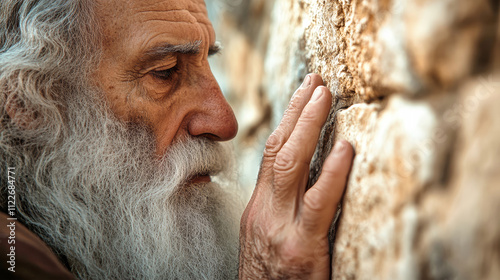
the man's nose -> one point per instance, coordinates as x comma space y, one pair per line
213, 118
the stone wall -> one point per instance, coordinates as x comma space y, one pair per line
417, 93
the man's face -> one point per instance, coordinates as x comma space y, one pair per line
155, 71
132, 198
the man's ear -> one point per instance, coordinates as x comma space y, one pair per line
20, 114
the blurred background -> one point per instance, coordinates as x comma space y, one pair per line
258, 74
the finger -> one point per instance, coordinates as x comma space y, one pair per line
292, 161
320, 202
281, 134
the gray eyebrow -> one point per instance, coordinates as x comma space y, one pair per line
166, 49
161, 51
214, 49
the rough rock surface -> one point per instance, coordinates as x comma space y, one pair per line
417, 93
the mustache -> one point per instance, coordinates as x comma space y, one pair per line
205, 157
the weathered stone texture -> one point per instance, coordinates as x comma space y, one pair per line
373, 48
417, 86
423, 196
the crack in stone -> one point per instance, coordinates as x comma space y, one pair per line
323, 149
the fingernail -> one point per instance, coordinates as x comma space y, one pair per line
307, 82
318, 92
339, 147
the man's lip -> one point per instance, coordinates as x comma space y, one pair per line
200, 179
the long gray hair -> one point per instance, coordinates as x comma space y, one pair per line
47, 50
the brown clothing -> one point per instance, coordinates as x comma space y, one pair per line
33, 258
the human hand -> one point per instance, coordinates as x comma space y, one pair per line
284, 229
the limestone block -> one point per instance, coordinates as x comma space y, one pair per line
423, 195
372, 48
417, 92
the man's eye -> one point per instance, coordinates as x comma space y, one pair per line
164, 74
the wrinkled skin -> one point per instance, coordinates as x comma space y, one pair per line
176, 94
284, 229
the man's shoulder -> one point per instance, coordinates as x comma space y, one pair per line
23, 255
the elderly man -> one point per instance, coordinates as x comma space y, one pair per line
110, 127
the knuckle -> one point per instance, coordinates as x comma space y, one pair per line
289, 165
294, 108
273, 144
285, 161
310, 116
294, 104
313, 200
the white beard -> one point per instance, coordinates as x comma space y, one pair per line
110, 209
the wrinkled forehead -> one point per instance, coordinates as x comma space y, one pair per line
133, 6
181, 18
126, 7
